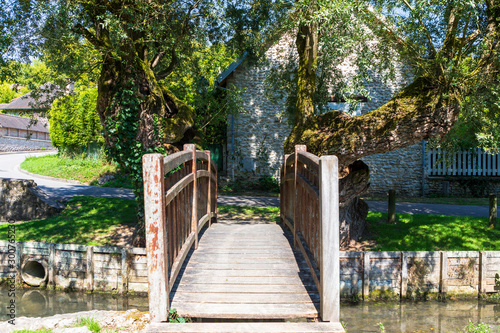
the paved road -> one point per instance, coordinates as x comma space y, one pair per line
56, 189
375, 206
63, 190
436, 209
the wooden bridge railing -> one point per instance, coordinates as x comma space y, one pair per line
310, 208
180, 197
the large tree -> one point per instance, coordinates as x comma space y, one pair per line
137, 49
450, 48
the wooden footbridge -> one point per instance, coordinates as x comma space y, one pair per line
242, 276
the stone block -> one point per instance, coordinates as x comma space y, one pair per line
22, 200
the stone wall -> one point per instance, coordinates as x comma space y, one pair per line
260, 132
362, 274
79, 267
462, 186
399, 170
22, 200
8, 144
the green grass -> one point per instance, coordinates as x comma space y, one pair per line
432, 233
438, 200
89, 322
85, 220
81, 169
226, 212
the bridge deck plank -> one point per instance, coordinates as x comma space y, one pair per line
239, 272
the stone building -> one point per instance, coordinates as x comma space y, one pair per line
255, 138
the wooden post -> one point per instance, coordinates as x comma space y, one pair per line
483, 267
209, 189
156, 236
90, 268
330, 243
124, 285
52, 265
404, 274
493, 212
194, 217
391, 211
296, 210
366, 275
443, 276
284, 194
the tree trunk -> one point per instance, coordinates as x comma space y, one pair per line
418, 112
161, 119
307, 47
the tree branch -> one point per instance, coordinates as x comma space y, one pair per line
427, 34
417, 113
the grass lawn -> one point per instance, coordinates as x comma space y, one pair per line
432, 233
85, 220
228, 212
83, 170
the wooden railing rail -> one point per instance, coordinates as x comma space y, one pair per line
180, 197
310, 209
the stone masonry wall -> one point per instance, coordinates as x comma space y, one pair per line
399, 170
260, 132
8, 144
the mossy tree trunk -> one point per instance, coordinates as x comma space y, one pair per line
420, 111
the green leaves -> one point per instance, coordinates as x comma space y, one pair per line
74, 122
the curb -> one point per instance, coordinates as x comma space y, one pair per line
28, 151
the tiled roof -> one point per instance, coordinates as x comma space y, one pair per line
10, 121
40, 98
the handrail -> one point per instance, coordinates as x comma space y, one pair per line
309, 203
180, 197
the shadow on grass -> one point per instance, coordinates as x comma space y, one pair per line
82, 221
432, 233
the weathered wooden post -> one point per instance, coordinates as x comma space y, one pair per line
296, 201
194, 217
156, 236
493, 212
209, 187
330, 242
391, 211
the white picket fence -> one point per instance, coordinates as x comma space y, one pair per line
474, 162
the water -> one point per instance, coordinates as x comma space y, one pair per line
440, 317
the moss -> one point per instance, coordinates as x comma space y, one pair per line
175, 127
383, 295
418, 105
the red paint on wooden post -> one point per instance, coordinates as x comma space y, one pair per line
156, 236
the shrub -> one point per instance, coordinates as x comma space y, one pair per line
74, 122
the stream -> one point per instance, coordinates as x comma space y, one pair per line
430, 316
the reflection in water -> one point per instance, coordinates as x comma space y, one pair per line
431, 316
439, 317
45, 303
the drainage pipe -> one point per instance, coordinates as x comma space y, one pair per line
35, 272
